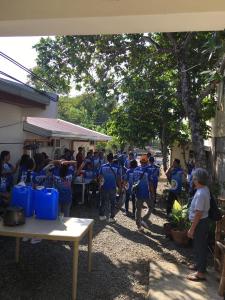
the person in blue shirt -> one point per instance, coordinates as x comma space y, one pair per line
39, 175
28, 175
62, 182
128, 183
155, 172
4, 189
22, 163
175, 176
8, 169
96, 161
102, 158
89, 173
128, 160
109, 178
144, 192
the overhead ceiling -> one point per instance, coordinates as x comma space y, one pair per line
50, 17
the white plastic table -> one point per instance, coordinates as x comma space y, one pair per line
69, 229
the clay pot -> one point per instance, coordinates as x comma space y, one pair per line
180, 237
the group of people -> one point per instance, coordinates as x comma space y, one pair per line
139, 181
114, 174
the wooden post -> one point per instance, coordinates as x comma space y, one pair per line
17, 249
75, 269
90, 236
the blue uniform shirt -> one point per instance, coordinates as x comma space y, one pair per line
129, 177
110, 173
89, 175
154, 171
143, 174
176, 180
39, 177
63, 185
4, 186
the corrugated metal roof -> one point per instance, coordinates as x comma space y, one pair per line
26, 92
59, 128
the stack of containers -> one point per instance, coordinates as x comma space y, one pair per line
43, 202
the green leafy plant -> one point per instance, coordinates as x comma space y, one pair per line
179, 218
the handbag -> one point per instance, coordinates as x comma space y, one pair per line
214, 213
135, 186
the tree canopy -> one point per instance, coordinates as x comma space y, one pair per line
158, 80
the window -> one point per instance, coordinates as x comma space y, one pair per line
57, 143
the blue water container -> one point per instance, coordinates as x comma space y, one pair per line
24, 196
46, 203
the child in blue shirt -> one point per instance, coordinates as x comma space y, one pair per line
62, 183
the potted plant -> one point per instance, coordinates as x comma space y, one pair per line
181, 225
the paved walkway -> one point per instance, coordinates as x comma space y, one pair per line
167, 282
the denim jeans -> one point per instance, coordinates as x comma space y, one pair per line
130, 196
65, 208
139, 204
107, 203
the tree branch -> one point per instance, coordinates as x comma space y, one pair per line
157, 46
220, 66
188, 37
172, 39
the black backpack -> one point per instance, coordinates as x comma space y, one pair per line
214, 212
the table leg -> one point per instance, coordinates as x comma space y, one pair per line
90, 236
17, 249
75, 269
83, 192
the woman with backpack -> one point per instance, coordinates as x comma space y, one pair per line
199, 230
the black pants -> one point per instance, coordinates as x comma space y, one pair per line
170, 201
200, 244
133, 199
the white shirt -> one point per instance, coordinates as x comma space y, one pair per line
201, 202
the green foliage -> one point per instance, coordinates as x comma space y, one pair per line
87, 110
142, 72
180, 218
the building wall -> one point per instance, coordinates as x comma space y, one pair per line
50, 111
180, 153
12, 135
11, 130
86, 145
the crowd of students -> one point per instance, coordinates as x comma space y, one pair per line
140, 183
113, 174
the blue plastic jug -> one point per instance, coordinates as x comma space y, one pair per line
46, 203
24, 196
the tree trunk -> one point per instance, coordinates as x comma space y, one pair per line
191, 107
164, 147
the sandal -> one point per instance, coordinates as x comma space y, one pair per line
196, 278
192, 267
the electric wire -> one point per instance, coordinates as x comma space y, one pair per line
26, 70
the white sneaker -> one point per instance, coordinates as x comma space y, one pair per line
25, 239
35, 241
140, 229
111, 220
102, 218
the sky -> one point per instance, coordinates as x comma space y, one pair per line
20, 49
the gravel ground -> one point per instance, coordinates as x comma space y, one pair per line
120, 261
